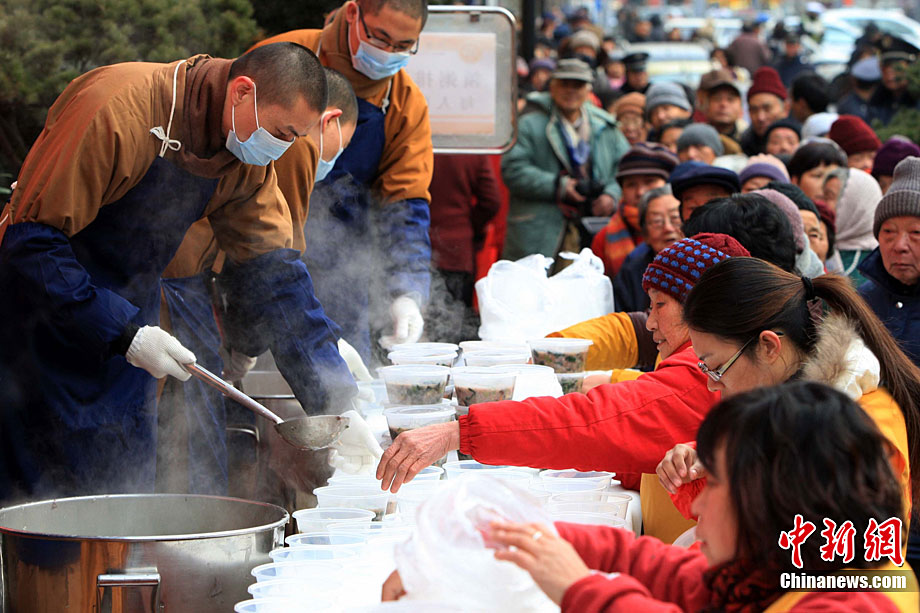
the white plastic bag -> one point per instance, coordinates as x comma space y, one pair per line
446, 559
518, 302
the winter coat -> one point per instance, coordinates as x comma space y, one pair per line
842, 360
628, 295
625, 427
896, 304
644, 574
533, 167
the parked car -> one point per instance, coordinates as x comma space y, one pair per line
893, 22
724, 30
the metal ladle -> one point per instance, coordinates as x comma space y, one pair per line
306, 433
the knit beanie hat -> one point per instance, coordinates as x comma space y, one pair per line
767, 81
647, 159
791, 211
854, 135
678, 267
786, 122
893, 151
795, 194
701, 134
903, 197
666, 93
633, 102
762, 169
856, 212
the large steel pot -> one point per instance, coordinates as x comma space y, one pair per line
134, 553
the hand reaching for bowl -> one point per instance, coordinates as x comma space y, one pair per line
552, 561
392, 588
413, 450
680, 465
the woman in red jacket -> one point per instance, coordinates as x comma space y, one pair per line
624, 427
770, 455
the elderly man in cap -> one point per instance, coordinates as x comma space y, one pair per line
720, 101
700, 142
629, 111
563, 166
865, 76
783, 138
892, 94
665, 102
695, 183
768, 102
583, 45
646, 166
636, 73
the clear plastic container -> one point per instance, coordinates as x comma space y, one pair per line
474, 384
415, 384
496, 357
571, 382
295, 570
592, 519
455, 470
420, 357
473, 346
429, 473
562, 354
379, 390
307, 554
331, 542
376, 530
366, 497
282, 605
316, 520
614, 509
296, 588
592, 496
574, 480
412, 495
403, 418
426, 346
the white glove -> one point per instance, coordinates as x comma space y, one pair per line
407, 322
159, 353
236, 364
357, 450
353, 360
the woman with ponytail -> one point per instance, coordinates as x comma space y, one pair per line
754, 325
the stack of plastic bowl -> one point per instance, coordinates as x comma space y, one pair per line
566, 356
284, 587
408, 356
457, 470
531, 380
316, 520
413, 494
414, 384
583, 498
403, 418
294, 604
367, 496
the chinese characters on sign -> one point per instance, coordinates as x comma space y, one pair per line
881, 540
456, 72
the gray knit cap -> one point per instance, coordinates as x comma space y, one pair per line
903, 197
666, 93
701, 134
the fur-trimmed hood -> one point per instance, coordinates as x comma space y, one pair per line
841, 359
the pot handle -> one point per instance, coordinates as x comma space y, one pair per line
129, 592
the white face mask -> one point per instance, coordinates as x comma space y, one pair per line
375, 63
261, 147
323, 167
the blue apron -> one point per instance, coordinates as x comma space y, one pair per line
75, 418
201, 407
339, 219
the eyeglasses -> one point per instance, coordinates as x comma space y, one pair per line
658, 222
380, 43
716, 375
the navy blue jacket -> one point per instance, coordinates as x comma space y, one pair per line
896, 304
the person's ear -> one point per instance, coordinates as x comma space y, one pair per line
239, 88
351, 11
769, 346
331, 115
788, 105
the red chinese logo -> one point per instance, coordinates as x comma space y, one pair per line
838, 542
884, 540
795, 538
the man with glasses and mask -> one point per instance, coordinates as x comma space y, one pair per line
367, 234
130, 157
